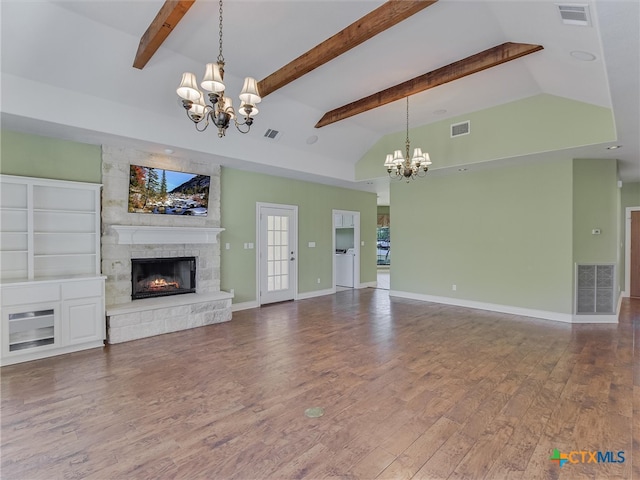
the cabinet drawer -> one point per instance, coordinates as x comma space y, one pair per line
84, 289
30, 294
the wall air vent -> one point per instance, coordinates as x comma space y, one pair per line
595, 289
272, 134
463, 128
575, 14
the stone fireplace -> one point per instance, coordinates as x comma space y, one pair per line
130, 238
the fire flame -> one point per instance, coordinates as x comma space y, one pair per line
161, 283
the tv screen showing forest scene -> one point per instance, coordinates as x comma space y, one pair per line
165, 192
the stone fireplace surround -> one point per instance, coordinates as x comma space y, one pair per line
133, 235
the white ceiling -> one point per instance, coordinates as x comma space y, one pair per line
67, 72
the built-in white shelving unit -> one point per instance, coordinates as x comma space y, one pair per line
50, 266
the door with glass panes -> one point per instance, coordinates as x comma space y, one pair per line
277, 253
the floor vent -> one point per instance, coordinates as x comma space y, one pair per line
272, 134
595, 289
575, 15
463, 128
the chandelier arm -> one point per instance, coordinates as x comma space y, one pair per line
206, 124
239, 125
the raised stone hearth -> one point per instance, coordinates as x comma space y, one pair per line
137, 235
155, 316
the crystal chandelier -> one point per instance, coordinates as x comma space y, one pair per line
399, 166
220, 112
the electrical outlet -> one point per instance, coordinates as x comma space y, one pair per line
454, 287
232, 292
318, 280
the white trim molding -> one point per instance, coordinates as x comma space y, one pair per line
492, 307
316, 293
236, 307
137, 235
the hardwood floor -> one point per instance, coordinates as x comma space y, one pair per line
409, 389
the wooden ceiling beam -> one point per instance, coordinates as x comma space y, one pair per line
376, 21
166, 20
467, 66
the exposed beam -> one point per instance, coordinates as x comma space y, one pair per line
166, 20
473, 64
376, 21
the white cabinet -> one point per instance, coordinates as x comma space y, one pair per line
343, 220
44, 318
52, 291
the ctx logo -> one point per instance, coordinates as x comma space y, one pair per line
586, 457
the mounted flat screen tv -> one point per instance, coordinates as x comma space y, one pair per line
166, 192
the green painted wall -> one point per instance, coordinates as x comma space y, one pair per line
596, 204
241, 190
44, 157
502, 236
630, 195
542, 123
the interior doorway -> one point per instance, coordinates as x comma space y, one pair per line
383, 248
632, 252
346, 248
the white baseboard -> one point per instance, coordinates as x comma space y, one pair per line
492, 307
236, 307
316, 293
368, 285
595, 319
301, 296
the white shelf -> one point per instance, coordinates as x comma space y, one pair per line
53, 221
44, 333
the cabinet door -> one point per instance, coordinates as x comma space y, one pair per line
347, 220
83, 320
31, 328
338, 220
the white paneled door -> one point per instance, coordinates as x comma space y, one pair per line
277, 253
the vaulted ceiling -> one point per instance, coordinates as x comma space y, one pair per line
67, 72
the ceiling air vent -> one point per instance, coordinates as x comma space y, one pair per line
463, 128
575, 14
272, 134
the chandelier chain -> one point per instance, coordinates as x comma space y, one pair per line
220, 57
407, 140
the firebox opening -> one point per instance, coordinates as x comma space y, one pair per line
159, 277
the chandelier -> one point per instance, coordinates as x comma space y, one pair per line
220, 112
399, 166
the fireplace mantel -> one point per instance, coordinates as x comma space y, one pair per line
137, 235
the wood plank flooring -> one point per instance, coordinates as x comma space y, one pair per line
410, 390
